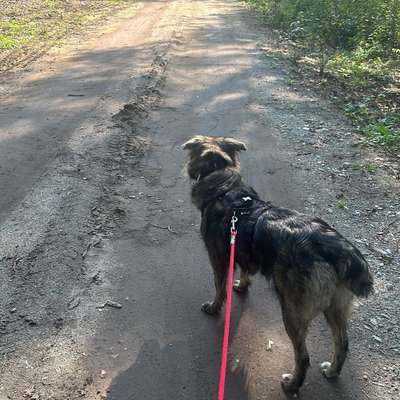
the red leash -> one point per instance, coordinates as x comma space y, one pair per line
229, 284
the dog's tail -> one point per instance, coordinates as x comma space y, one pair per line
350, 265
357, 274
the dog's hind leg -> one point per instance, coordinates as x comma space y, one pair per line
219, 265
337, 315
241, 285
296, 328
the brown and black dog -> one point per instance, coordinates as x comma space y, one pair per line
314, 269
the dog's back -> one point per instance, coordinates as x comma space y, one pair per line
297, 241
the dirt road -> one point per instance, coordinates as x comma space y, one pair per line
103, 271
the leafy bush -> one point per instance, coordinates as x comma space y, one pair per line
343, 24
357, 43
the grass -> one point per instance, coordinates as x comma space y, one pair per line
16, 34
341, 203
366, 87
368, 91
29, 27
380, 127
371, 168
6, 42
369, 94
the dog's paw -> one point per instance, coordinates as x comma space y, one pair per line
328, 371
209, 308
288, 385
238, 288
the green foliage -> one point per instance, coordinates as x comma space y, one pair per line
384, 133
359, 65
14, 34
50, 3
371, 168
357, 44
6, 42
378, 127
343, 24
341, 202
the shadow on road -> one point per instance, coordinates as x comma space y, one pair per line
157, 374
183, 369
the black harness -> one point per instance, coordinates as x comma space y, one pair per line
235, 199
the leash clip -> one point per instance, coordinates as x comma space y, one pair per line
233, 222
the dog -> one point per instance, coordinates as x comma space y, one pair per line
314, 269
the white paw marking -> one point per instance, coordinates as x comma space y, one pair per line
286, 378
326, 369
325, 365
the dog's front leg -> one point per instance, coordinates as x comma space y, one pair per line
220, 274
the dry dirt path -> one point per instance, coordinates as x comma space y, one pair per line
103, 272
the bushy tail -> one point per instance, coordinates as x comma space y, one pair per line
358, 275
349, 263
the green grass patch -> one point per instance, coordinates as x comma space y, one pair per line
378, 127
29, 27
371, 168
7, 42
359, 67
384, 134
341, 203
14, 34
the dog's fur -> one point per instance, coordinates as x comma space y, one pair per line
314, 269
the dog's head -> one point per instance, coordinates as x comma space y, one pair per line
208, 154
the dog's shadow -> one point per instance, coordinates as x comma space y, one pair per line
157, 374
183, 369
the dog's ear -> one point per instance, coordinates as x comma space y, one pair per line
194, 142
232, 144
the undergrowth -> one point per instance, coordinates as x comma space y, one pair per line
353, 47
